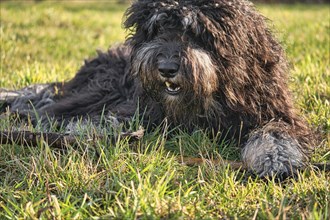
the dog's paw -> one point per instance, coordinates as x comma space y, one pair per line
275, 166
273, 155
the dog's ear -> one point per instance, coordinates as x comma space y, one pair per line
139, 21
136, 14
237, 30
238, 37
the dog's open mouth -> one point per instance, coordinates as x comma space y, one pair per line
172, 89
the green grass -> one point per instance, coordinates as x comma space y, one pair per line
45, 42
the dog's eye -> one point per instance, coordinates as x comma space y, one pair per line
190, 37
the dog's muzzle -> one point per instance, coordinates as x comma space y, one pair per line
169, 70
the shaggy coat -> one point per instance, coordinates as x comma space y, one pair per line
203, 64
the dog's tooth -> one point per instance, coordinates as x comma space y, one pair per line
168, 84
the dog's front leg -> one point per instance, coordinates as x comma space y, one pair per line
272, 152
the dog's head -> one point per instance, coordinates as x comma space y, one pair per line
193, 53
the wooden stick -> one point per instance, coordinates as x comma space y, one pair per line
53, 139
28, 138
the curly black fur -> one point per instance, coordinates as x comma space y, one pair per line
202, 64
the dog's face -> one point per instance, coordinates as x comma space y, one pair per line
170, 56
173, 67
197, 55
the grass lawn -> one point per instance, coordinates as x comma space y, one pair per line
48, 41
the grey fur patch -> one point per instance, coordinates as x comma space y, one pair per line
29, 90
29, 98
272, 154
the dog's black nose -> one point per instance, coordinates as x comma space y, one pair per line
168, 69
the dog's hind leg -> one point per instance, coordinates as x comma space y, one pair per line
272, 152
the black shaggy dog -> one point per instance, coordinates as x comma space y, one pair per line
199, 64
